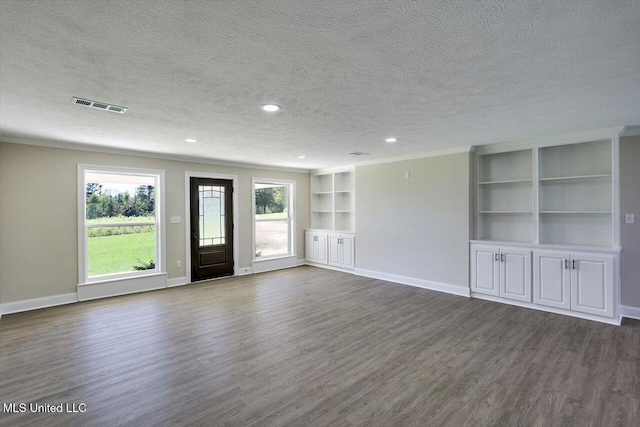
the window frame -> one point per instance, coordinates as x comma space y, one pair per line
291, 217
83, 227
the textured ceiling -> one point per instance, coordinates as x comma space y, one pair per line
437, 75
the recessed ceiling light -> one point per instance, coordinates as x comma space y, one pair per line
392, 139
302, 157
191, 140
271, 108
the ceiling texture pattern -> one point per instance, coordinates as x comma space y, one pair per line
436, 75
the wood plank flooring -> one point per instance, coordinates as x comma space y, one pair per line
314, 347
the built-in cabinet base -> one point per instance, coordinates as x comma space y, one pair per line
328, 248
561, 281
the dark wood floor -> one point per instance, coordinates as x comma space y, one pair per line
308, 346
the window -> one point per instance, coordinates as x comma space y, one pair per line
273, 207
120, 223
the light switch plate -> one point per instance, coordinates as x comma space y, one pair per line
176, 220
407, 175
629, 219
179, 263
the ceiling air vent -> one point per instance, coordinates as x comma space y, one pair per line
98, 105
359, 153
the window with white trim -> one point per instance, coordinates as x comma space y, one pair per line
121, 228
273, 225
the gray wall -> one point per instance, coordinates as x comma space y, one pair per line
417, 227
38, 214
630, 203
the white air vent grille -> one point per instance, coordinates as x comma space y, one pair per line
98, 105
359, 153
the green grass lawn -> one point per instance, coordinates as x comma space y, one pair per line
117, 254
279, 215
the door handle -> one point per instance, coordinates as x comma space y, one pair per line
495, 258
566, 264
501, 257
574, 264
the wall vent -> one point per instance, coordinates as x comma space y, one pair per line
359, 153
98, 105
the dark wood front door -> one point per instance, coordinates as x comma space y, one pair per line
211, 228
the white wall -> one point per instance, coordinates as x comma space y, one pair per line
38, 215
630, 203
418, 227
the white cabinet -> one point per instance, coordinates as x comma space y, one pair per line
342, 250
552, 279
576, 281
316, 247
501, 271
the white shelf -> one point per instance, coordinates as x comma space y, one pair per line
506, 212
576, 212
576, 178
333, 200
510, 181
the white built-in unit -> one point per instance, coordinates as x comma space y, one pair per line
333, 201
342, 250
316, 246
547, 226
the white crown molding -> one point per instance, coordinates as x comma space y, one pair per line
435, 153
137, 153
630, 131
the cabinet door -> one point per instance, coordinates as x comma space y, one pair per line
552, 279
347, 259
321, 249
334, 250
592, 284
484, 270
309, 246
515, 274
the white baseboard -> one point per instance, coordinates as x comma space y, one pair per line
277, 264
330, 267
608, 320
244, 271
177, 281
36, 303
126, 286
412, 281
630, 312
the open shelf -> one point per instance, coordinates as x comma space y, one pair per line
576, 212
333, 200
506, 212
511, 181
587, 159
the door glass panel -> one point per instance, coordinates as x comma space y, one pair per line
211, 215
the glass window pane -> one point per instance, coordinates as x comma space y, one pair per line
212, 215
272, 201
120, 249
117, 197
272, 238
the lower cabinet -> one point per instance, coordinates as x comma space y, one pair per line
315, 247
342, 250
582, 282
501, 271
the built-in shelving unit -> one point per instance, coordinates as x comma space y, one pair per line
333, 200
561, 194
505, 196
576, 194
547, 225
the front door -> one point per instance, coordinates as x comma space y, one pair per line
211, 228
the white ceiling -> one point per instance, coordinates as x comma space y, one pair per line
437, 74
